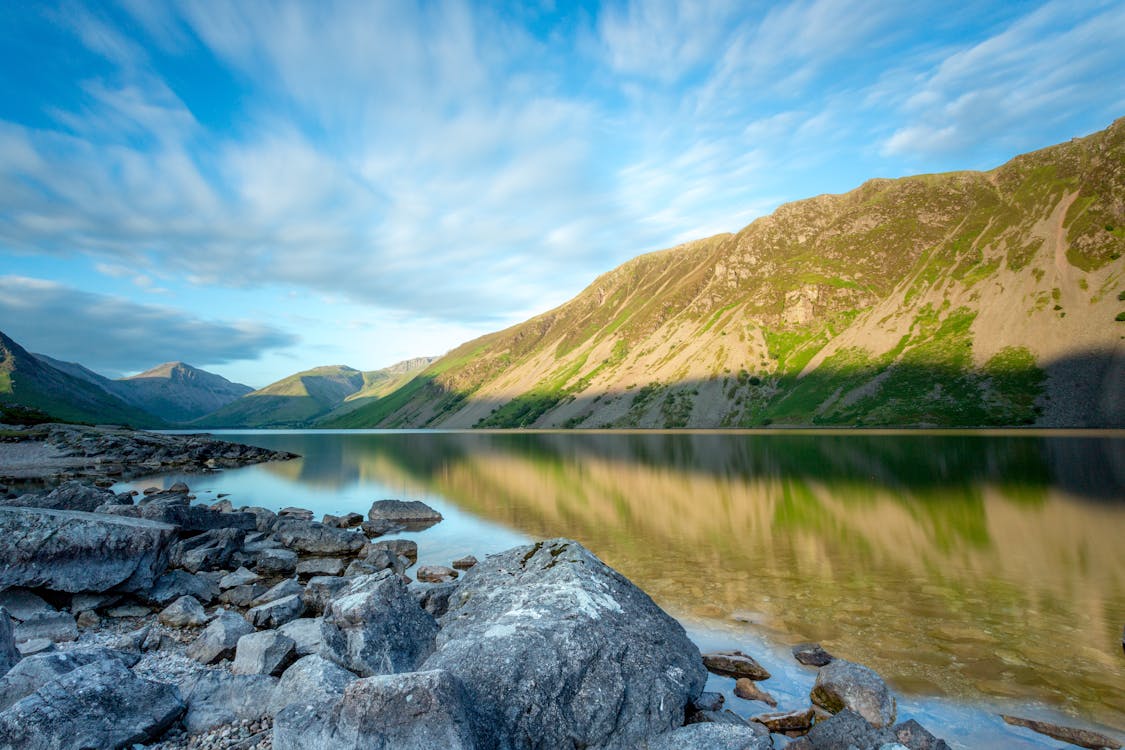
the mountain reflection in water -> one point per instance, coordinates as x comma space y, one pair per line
954, 564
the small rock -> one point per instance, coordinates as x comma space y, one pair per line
320, 566
306, 634
179, 488
914, 736
734, 664
464, 563
708, 701
402, 547
317, 539
301, 514
55, 626
23, 605
267, 652
36, 670
786, 721
320, 590
435, 599
410, 514
276, 613
843, 684
380, 527
749, 690
88, 619
183, 612
435, 574
216, 698
277, 561
9, 654
288, 587
243, 596
1073, 735
240, 577
129, 609
811, 654
310, 679
35, 646
219, 639
92, 602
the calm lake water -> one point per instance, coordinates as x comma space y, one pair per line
976, 572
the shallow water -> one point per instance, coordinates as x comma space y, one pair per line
975, 572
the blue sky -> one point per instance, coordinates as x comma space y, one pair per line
262, 187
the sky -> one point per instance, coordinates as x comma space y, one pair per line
258, 188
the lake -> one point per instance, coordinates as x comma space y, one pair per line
977, 572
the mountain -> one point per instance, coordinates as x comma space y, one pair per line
959, 299
310, 397
27, 381
178, 392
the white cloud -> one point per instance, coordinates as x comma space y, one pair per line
116, 335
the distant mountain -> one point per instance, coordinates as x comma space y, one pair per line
178, 392
959, 299
313, 397
28, 381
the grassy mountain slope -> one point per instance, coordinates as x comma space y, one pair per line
960, 299
28, 381
178, 392
376, 385
294, 401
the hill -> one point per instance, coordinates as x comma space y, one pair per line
958, 299
178, 392
376, 385
27, 381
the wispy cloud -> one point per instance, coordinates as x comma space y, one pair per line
115, 335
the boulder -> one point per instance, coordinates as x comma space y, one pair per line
184, 612
267, 652
374, 626
176, 509
435, 599
711, 737
94, 706
37, 670
315, 538
276, 613
346, 521
36, 646
412, 711
243, 596
735, 664
786, 721
23, 604
435, 574
749, 690
55, 627
310, 679
128, 609
176, 583
320, 590
285, 588
811, 654
9, 654
916, 737
380, 527
385, 559
276, 561
464, 563
320, 566
402, 547
708, 701
219, 639
215, 697
300, 514
843, 684
240, 577
264, 518
848, 729
557, 649
73, 551
72, 495
409, 514
306, 633
207, 551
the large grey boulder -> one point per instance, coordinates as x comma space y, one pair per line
36, 671
219, 639
558, 650
310, 679
216, 697
408, 514
267, 652
375, 626
24, 605
711, 737
435, 599
277, 612
308, 638
9, 654
176, 583
320, 590
73, 495
184, 612
317, 539
276, 561
176, 508
412, 711
843, 684
99, 705
66, 550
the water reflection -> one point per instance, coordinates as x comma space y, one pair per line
963, 565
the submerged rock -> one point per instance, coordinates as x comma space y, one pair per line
374, 626
411, 711
748, 690
735, 664
1073, 735
786, 721
409, 514
74, 551
811, 654
557, 650
100, 705
844, 684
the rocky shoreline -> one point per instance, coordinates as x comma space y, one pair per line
44, 455
152, 620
